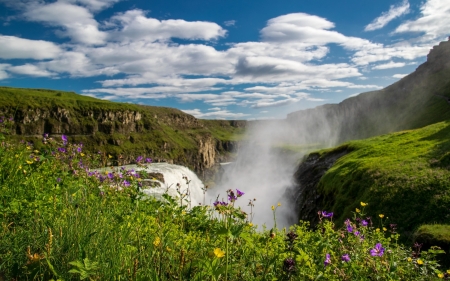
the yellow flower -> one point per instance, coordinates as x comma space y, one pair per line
279, 204
109, 156
82, 154
20, 167
419, 261
219, 253
17, 155
250, 224
378, 230
409, 259
168, 249
441, 275
29, 162
36, 151
28, 147
381, 215
384, 229
183, 213
157, 241
364, 204
358, 210
273, 208
448, 271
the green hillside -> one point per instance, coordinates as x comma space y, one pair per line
121, 130
403, 175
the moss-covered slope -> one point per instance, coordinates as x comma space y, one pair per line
403, 175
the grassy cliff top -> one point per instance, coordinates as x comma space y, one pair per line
403, 175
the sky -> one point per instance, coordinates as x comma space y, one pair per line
217, 59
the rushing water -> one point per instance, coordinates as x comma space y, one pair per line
187, 181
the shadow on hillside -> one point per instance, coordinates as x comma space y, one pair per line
440, 156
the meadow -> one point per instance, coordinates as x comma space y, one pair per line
61, 220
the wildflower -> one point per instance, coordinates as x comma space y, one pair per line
29, 162
250, 224
419, 262
364, 223
345, 258
58, 179
64, 139
327, 215
378, 250
273, 208
377, 230
347, 222
62, 149
448, 271
231, 196
126, 183
239, 193
384, 228
28, 147
45, 135
279, 204
409, 259
219, 253
381, 215
349, 228
393, 227
110, 176
289, 265
291, 236
364, 204
139, 159
441, 275
82, 154
356, 233
148, 160
109, 156
79, 149
157, 241
358, 210
327, 260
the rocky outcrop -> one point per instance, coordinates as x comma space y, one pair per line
305, 197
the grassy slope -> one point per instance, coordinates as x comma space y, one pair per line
403, 175
159, 126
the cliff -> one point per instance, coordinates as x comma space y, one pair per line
124, 131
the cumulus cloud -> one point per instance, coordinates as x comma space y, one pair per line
219, 114
395, 11
30, 70
399, 76
76, 22
3, 74
134, 25
12, 47
433, 22
390, 64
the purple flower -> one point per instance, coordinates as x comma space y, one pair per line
126, 183
90, 174
148, 160
361, 238
45, 135
64, 138
79, 149
364, 223
110, 176
378, 250
327, 260
62, 149
239, 193
218, 204
356, 233
327, 215
101, 178
349, 228
289, 265
345, 258
58, 179
139, 159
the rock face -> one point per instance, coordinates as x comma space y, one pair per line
305, 196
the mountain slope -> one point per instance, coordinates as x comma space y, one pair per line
417, 100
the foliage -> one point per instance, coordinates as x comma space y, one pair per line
61, 220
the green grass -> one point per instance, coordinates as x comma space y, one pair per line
59, 222
404, 175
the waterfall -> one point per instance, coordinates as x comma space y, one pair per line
173, 175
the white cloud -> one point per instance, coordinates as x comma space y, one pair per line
12, 47
30, 70
77, 22
95, 5
390, 64
433, 23
3, 74
219, 114
399, 76
229, 22
134, 25
386, 17
385, 53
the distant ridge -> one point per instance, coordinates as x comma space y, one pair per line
417, 100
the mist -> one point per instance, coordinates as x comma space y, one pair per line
266, 162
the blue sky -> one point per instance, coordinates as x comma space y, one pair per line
217, 59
